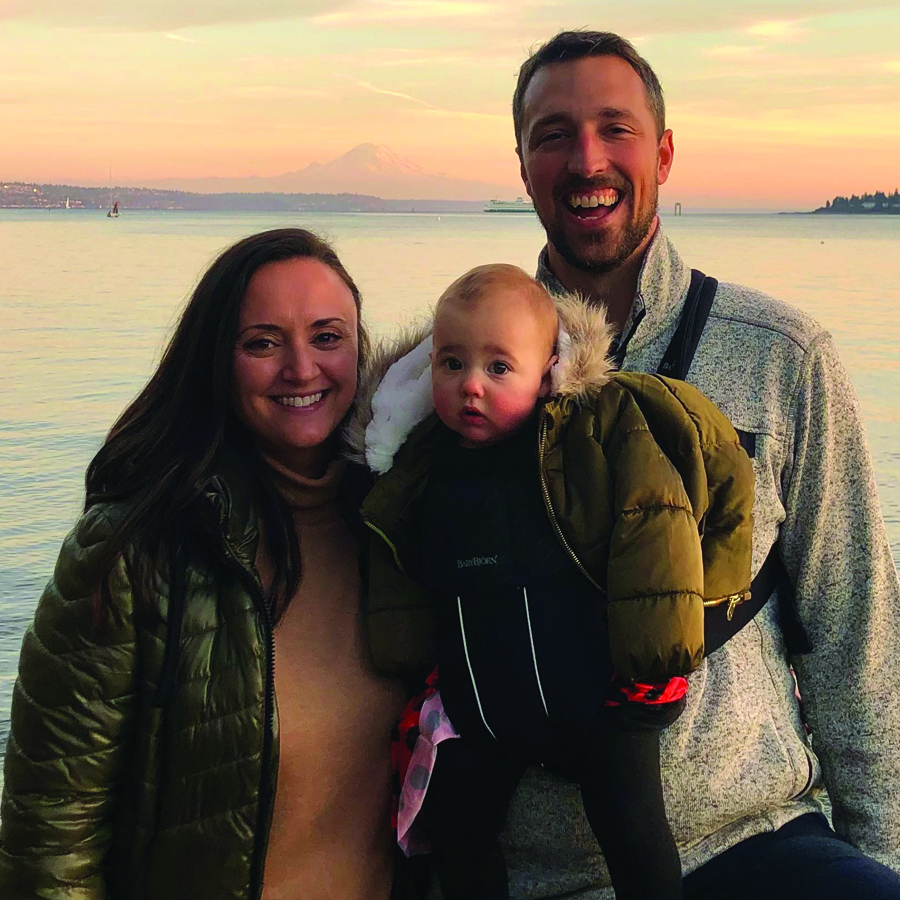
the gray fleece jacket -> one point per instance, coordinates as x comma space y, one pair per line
737, 762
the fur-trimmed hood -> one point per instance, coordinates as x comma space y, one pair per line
395, 388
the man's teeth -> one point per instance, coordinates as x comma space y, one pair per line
589, 201
300, 401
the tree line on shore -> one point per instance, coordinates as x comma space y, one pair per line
879, 202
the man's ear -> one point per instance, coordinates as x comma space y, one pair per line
664, 156
544, 390
522, 173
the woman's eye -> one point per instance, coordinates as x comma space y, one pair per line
328, 337
259, 345
498, 368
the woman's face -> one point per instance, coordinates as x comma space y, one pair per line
295, 360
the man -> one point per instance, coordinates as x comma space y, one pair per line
743, 785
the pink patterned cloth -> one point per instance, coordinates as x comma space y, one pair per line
434, 727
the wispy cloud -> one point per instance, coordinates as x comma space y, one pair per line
377, 90
777, 30
462, 114
733, 51
406, 10
891, 65
182, 38
160, 15
275, 92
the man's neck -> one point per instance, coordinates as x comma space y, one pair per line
615, 289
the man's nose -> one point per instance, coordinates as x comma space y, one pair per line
588, 157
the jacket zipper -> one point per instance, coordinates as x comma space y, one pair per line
733, 601
552, 513
387, 540
265, 801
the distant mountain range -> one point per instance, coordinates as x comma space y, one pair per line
371, 169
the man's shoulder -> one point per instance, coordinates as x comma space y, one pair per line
759, 317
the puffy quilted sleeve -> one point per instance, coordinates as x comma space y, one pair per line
68, 744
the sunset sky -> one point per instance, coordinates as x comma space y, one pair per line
773, 103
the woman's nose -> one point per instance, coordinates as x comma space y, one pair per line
300, 364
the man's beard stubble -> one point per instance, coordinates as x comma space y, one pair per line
587, 259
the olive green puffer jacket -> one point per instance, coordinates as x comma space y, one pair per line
132, 772
645, 484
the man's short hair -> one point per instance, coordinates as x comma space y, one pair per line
568, 46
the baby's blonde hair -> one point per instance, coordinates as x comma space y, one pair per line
476, 284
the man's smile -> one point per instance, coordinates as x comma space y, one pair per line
590, 205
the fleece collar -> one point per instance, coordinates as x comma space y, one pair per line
662, 285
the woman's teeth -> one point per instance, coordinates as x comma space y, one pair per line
308, 400
590, 201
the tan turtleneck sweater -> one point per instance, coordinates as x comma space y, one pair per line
331, 837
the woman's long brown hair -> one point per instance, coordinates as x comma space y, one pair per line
164, 448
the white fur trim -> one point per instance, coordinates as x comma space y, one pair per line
403, 399
563, 358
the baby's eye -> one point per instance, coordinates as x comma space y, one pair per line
452, 363
498, 368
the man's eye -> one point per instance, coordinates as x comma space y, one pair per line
498, 368
549, 137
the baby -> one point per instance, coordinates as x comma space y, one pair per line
539, 540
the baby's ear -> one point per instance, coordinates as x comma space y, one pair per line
546, 381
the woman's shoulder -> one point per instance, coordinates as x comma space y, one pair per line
83, 556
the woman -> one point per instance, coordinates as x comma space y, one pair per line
210, 574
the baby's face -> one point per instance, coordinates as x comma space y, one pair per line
490, 364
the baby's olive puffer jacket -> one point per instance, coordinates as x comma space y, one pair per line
141, 765
644, 481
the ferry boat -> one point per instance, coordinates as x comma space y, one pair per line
519, 205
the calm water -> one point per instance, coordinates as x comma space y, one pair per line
88, 302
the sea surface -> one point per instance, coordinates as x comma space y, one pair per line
88, 302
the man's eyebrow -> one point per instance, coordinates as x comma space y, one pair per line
605, 112
615, 112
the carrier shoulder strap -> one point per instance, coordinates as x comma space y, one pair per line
719, 628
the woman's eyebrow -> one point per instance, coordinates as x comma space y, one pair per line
262, 326
271, 326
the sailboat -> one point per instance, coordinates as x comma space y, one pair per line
114, 212
67, 203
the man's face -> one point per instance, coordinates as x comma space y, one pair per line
591, 161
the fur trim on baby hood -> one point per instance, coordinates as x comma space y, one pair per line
395, 388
